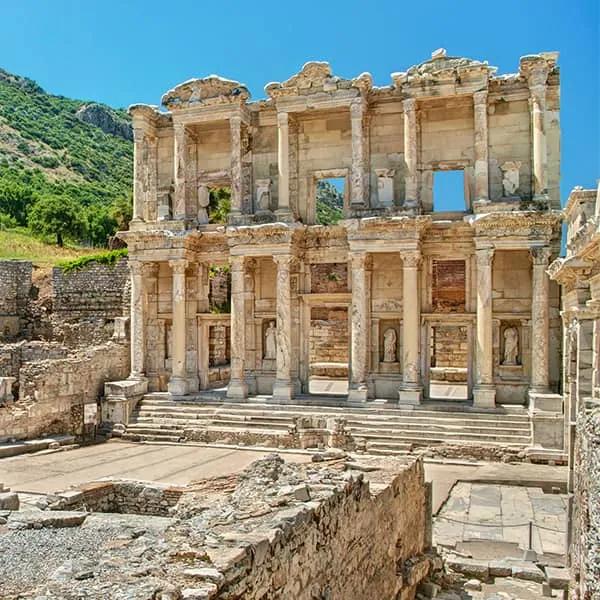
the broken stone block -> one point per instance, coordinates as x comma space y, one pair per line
528, 572
9, 501
558, 578
500, 568
469, 567
473, 585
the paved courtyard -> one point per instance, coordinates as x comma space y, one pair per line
493, 520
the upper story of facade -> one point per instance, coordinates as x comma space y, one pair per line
386, 143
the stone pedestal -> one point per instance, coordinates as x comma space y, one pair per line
411, 391
484, 396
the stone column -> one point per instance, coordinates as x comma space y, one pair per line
152, 167
139, 141
484, 394
283, 165
283, 390
235, 126
537, 102
411, 390
179, 180
177, 383
359, 346
481, 146
138, 326
410, 152
539, 320
359, 170
237, 388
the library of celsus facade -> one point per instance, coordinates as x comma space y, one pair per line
407, 300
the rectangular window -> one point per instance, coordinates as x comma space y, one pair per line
329, 201
449, 191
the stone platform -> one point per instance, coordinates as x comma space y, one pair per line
451, 429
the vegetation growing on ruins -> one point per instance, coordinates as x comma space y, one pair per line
49, 155
330, 202
110, 258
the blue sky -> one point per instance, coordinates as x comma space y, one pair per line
121, 52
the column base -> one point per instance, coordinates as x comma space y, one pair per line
284, 215
237, 390
177, 386
484, 397
410, 395
358, 394
284, 390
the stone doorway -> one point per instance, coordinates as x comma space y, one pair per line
448, 368
328, 351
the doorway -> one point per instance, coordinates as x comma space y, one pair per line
448, 374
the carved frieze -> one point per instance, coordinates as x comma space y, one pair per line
209, 91
527, 224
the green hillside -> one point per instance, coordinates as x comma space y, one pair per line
62, 152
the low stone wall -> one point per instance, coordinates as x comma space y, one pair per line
53, 392
97, 290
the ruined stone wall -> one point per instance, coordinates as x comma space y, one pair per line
93, 291
585, 540
12, 356
329, 335
15, 289
52, 392
220, 284
328, 277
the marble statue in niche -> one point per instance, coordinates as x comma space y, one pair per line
511, 347
263, 195
510, 178
389, 345
203, 202
271, 342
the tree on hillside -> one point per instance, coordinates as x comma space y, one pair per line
99, 225
15, 200
121, 211
58, 216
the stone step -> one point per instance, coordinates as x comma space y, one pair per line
414, 416
446, 437
134, 437
442, 428
153, 430
211, 423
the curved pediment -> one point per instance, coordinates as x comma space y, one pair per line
207, 91
441, 67
316, 77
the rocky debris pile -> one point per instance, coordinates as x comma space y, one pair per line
289, 530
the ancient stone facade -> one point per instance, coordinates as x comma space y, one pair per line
15, 289
408, 267
579, 274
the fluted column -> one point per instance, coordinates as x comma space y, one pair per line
139, 141
179, 163
283, 165
539, 320
177, 383
484, 394
359, 344
138, 326
481, 145
410, 151
283, 390
359, 170
411, 390
237, 388
235, 126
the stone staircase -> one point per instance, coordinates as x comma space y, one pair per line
382, 429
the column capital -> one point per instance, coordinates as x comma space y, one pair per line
235, 120
284, 261
540, 255
139, 135
179, 265
411, 259
179, 128
136, 268
150, 270
237, 262
484, 257
409, 104
358, 108
359, 260
282, 119
480, 97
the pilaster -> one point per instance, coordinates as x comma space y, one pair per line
411, 390
357, 391
484, 393
237, 388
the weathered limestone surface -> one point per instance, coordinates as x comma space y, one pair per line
579, 275
275, 530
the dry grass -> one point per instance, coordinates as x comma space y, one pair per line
20, 245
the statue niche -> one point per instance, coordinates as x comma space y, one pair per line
269, 362
388, 349
389, 345
510, 355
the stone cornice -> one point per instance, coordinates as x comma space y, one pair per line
568, 271
531, 225
267, 234
387, 228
